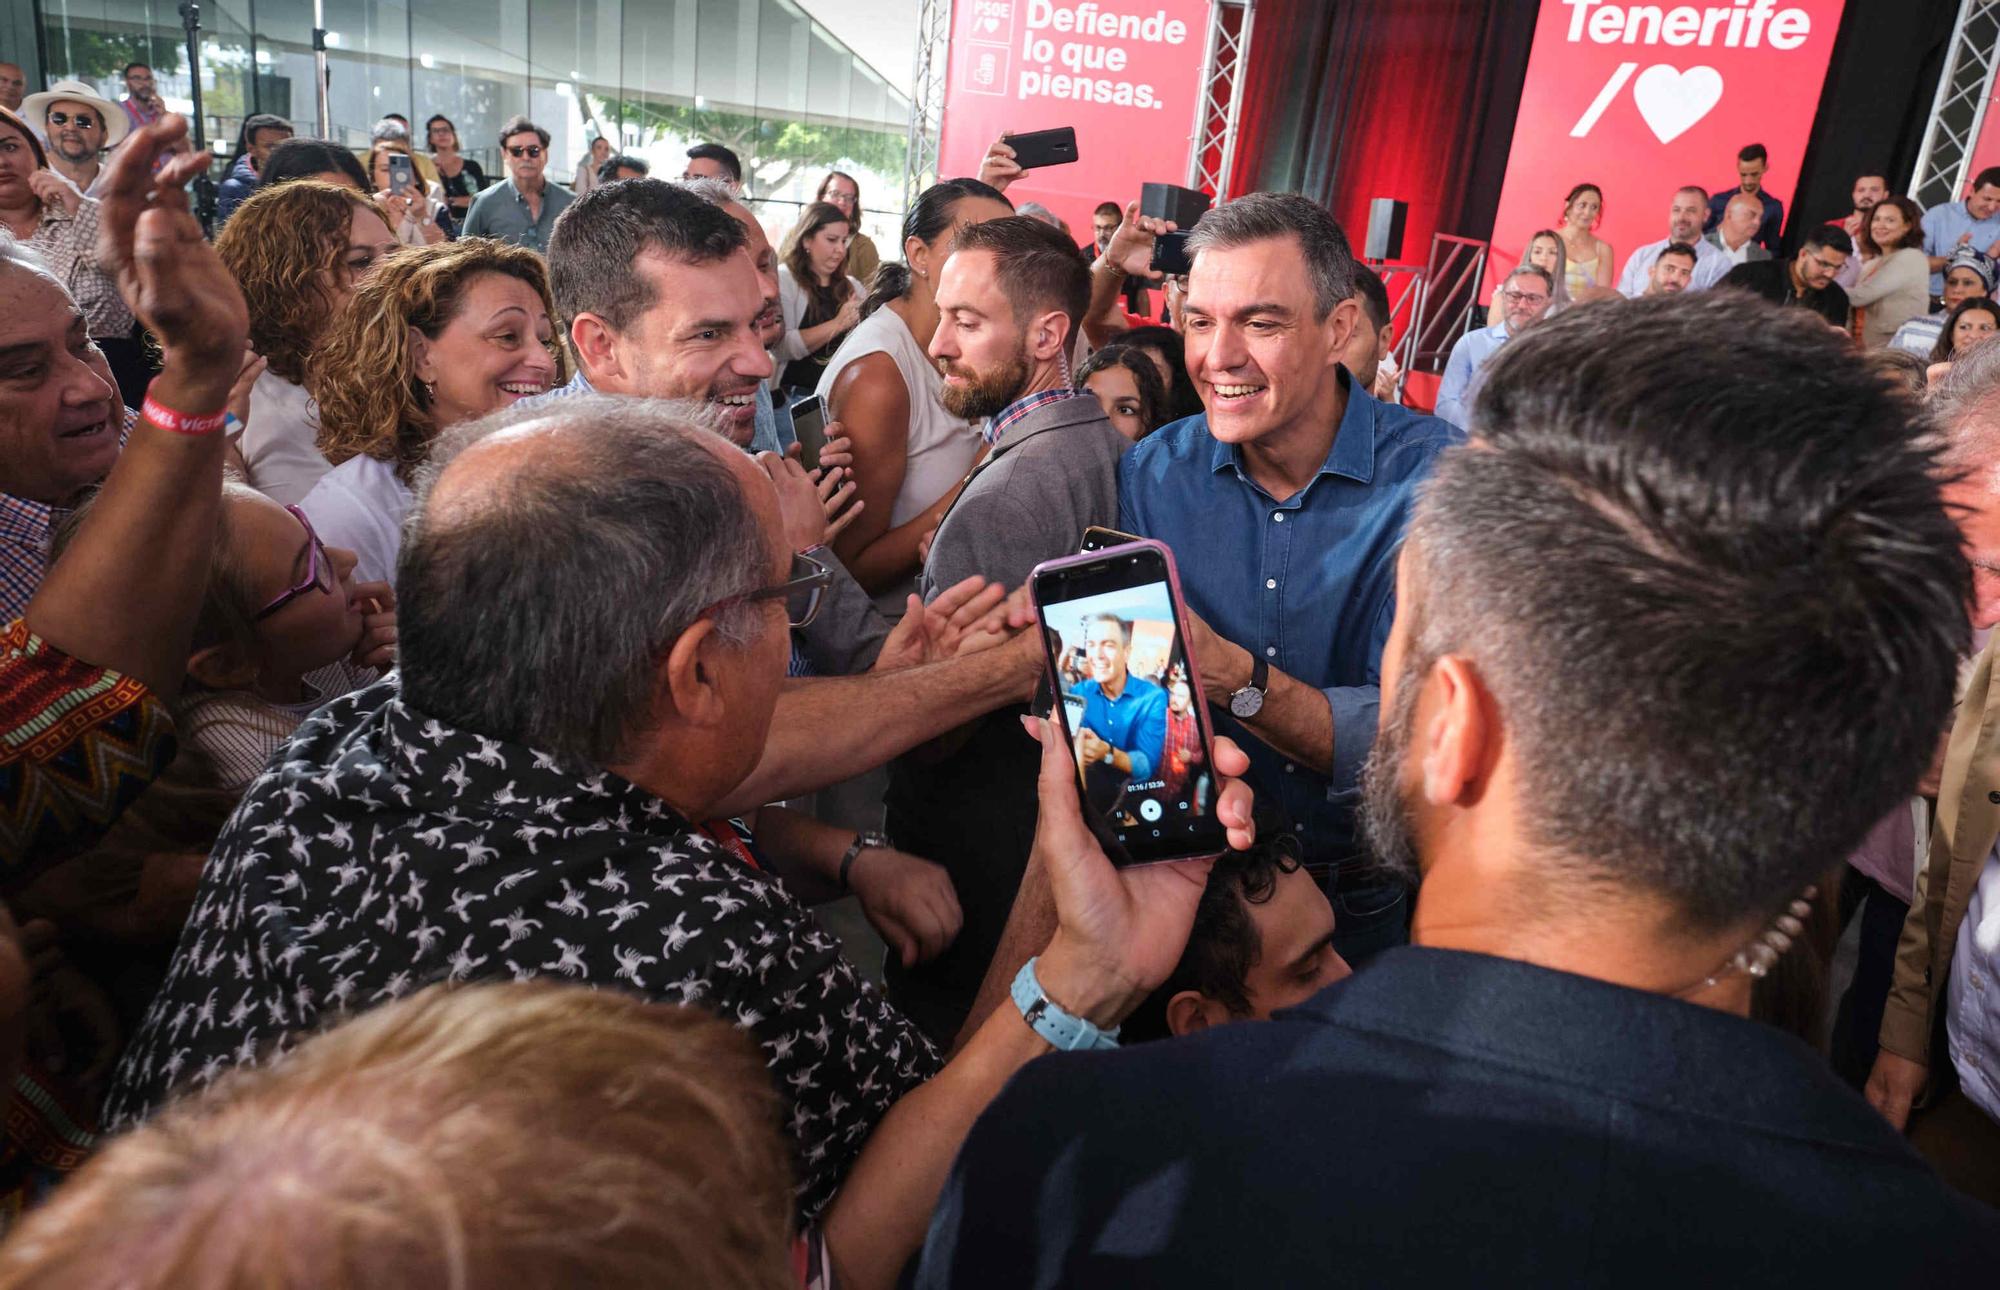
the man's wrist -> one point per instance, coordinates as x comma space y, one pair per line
1236, 669
1085, 988
194, 387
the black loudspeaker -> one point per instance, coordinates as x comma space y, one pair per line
1385, 229
1184, 206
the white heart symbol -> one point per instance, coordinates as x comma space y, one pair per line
1672, 100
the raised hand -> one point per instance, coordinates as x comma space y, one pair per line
151, 244
999, 167
1131, 247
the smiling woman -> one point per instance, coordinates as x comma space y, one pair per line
438, 335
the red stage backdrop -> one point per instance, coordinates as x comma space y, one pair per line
1985, 149
1124, 73
1641, 99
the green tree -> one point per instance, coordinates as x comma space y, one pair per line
774, 150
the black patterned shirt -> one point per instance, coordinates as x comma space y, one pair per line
383, 851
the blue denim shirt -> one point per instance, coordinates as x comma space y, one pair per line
1309, 583
1135, 722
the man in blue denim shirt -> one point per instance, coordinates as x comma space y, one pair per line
1284, 505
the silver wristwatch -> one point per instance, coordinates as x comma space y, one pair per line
1249, 701
866, 840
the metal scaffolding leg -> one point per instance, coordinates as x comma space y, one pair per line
920, 165
1219, 106
1959, 110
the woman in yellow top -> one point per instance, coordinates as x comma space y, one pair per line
1591, 271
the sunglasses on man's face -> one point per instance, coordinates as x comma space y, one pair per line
83, 120
532, 150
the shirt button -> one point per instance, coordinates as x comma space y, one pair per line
1271, 584
1289, 768
1270, 651
1277, 517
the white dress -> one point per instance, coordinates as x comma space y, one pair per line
360, 505
279, 443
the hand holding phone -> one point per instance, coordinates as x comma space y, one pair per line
809, 425
1170, 255
402, 173
1039, 148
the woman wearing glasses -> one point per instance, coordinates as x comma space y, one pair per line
522, 208
437, 336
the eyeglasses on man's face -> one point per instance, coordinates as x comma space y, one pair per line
1532, 299
801, 592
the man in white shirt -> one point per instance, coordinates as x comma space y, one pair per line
1736, 236
1521, 301
1684, 221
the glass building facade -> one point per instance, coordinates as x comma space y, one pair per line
651, 75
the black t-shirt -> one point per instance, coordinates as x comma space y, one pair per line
466, 184
1772, 279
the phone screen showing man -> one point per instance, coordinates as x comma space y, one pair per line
1131, 707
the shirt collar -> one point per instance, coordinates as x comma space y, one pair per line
28, 521
1012, 414
1353, 453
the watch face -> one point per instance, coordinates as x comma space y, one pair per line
1246, 703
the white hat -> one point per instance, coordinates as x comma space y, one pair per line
35, 109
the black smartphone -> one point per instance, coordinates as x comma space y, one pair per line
402, 173
1039, 148
1097, 537
809, 424
1131, 705
1170, 254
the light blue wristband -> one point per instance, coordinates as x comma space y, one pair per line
1068, 1032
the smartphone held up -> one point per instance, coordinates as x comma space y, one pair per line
1131, 704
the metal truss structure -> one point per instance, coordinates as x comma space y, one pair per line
1959, 110
1225, 64
927, 86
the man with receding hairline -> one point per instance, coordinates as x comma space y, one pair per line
1735, 235
13, 86
1684, 219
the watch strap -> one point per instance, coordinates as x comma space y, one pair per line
1260, 673
866, 840
1064, 1030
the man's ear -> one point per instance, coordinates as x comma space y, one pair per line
689, 680
1455, 741
1048, 335
1340, 325
1191, 1010
596, 348
222, 667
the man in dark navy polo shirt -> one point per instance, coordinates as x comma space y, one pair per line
1654, 668
1284, 504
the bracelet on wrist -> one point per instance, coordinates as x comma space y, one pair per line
159, 414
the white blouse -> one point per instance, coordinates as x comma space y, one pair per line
280, 440
360, 505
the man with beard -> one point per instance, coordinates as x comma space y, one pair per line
1868, 190
1611, 643
1683, 230
79, 125
1010, 299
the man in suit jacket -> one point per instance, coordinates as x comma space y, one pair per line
1585, 726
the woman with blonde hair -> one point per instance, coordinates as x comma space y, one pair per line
1547, 253
297, 250
439, 335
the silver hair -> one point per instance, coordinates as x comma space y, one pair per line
536, 607
1263, 217
1035, 210
1965, 414
713, 191
1535, 271
20, 255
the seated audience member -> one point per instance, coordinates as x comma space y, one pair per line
52, 219
461, 177
1672, 271
1973, 221
434, 337
530, 1135
1523, 300
1735, 234
1603, 877
1683, 229
1934, 1075
623, 166
1262, 940
1868, 191
1806, 281
1751, 163
254, 142
1893, 285
521, 209
1547, 252
821, 301
1128, 387
1971, 323
86, 725
839, 189
297, 250
1592, 266
713, 161
78, 126
540, 789
1010, 299
1368, 355
1168, 350
910, 451
413, 214
1968, 273
1286, 496
314, 159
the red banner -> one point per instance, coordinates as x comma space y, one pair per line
1124, 73
1642, 99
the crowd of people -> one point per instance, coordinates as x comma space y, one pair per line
439, 696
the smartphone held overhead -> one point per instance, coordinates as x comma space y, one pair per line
1131, 704
1041, 148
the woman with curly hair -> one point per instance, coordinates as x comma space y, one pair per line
296, 250
439, 335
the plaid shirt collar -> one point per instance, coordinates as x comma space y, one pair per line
1011, 415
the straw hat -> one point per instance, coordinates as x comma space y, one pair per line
116, 124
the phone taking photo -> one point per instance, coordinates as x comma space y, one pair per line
1114, 635
1170, 254
402, 173
1039, 148
809, 425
